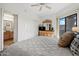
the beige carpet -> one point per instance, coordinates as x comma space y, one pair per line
37, 46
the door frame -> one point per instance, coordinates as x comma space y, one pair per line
15, 27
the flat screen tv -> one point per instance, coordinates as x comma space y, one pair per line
42, 28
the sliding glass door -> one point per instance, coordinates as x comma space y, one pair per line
71, 21
61, 26
67, 23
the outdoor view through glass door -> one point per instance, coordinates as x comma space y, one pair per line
61, 26
66, 23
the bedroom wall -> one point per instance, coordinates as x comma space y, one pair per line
27, 27
1, 31
78, 19
27, 22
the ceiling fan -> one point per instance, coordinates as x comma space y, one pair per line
41, 5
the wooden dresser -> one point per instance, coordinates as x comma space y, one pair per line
8, 35
46, 29
46, 33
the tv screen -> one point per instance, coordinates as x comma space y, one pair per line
42, 28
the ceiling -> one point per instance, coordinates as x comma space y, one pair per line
55, 7
26, 9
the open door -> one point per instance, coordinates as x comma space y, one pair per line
8, 25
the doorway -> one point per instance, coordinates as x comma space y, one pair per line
8, 25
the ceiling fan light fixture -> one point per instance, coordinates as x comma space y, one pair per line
41, 5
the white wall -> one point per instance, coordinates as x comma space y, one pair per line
1, 29
27, 22
15, 28
78, 19
27, 28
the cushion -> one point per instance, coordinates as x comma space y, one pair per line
74, 47
66, 39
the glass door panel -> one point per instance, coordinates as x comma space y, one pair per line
71, 21
62, 26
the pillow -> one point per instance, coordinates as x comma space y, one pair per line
74, 47
66, 39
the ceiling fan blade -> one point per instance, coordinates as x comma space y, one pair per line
35, 5
48, 7
40, 8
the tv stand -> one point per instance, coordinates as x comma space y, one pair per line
45, 33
